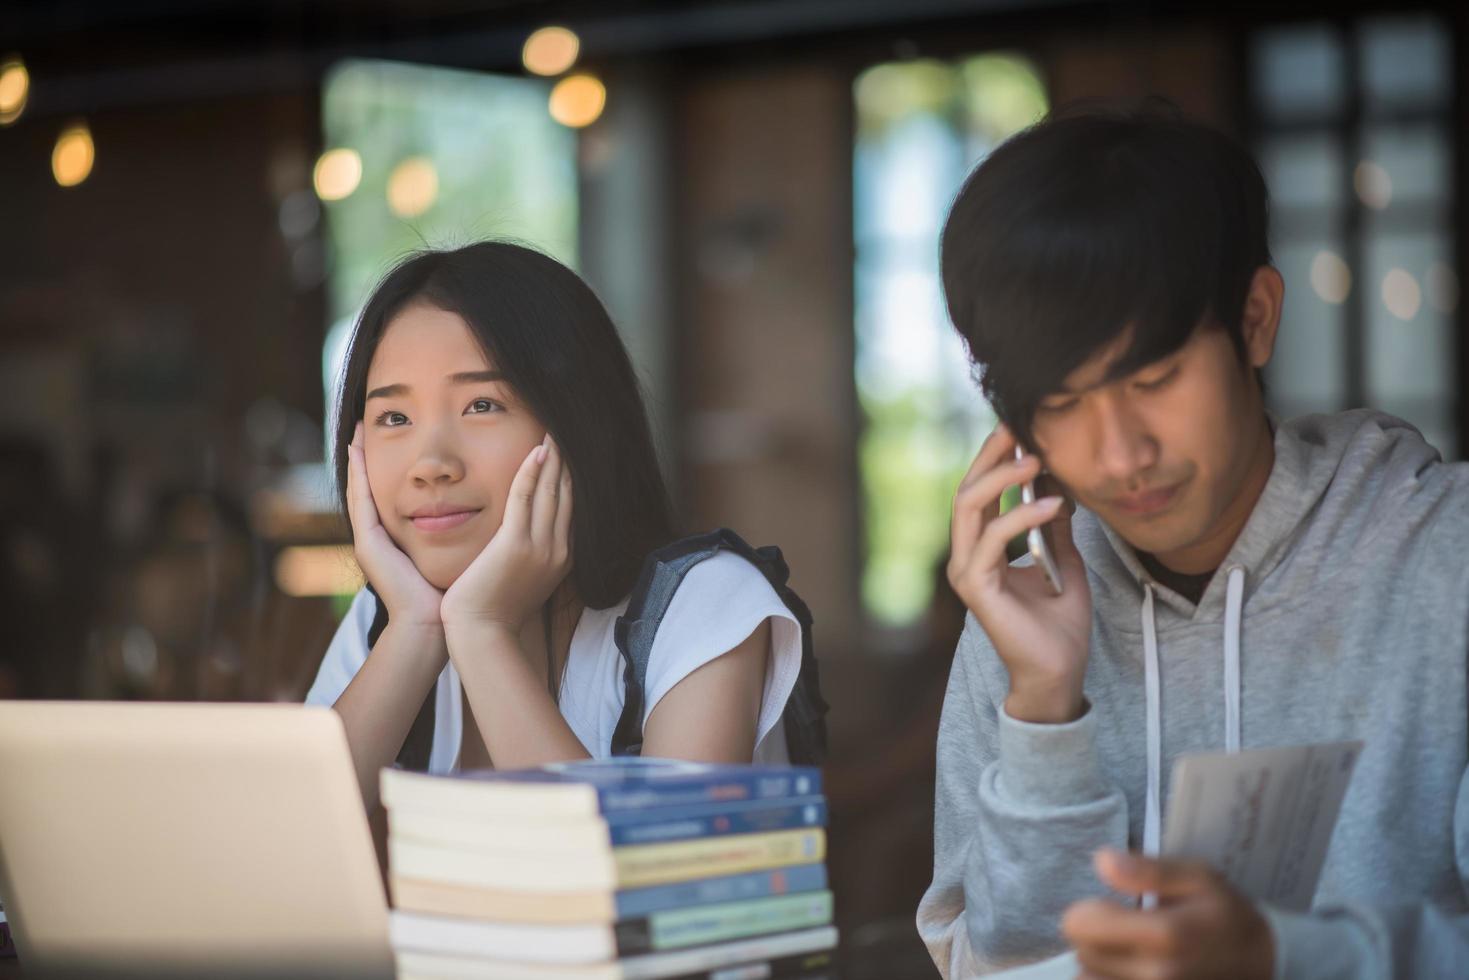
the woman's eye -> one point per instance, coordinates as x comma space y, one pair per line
481, 405
392, 419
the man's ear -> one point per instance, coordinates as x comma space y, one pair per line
1261, 318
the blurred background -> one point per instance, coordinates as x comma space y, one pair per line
195, 198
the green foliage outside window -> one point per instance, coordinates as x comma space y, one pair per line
921, 127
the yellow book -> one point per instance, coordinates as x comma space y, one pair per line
619, 868
655, 864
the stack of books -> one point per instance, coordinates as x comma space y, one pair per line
617, 869
7, 945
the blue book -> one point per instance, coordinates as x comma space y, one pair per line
661, 824
591, 787
638, 902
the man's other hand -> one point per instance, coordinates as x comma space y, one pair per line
1201, 929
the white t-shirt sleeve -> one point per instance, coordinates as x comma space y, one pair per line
346, 653
718, 605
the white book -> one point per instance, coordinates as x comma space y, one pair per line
516, 942
414, 965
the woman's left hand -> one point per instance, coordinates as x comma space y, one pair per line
528, 556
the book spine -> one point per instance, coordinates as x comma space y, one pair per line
639, 902
802, 966
7, 944
717, 821
656, 864
718, 956
679, 928
754, 786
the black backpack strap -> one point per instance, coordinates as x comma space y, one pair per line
663, 572
418, 744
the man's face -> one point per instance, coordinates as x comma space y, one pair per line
1162, 454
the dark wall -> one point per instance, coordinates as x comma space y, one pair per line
160, 341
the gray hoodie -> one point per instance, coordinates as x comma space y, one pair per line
1341, 612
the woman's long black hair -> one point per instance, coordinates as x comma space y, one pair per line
550, 337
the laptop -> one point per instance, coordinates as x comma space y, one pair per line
186, 840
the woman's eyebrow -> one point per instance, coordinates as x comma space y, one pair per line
462, 378
388, 391
475, 377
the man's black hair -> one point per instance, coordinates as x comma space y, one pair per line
1092, 223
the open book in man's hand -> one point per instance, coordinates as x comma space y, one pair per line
1263, 818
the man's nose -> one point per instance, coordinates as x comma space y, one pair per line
1125, 446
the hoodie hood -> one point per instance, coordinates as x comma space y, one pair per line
1294, 538
1331, 477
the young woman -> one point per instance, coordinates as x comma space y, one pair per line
496, 465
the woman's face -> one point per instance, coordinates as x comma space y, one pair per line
444, 437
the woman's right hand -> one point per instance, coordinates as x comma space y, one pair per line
1042, 638
410, 599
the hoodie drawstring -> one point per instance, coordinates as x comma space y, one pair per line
1233, 607
1152, 822
1233, 610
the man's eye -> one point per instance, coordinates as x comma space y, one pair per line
481, 405
1155, 383
391, 419
1057, 408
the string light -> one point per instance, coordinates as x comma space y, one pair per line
413, 187
15, 89
578, 100
73, 156
550, 51
337, 174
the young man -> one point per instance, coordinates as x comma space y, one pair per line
1229, 580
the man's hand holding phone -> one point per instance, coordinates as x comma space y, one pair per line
1041, 637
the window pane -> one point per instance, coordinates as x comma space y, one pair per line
897, 195
1410, 335
1303, 171
1414, 162
1306, 372
1405, 63
921, 125
501, 166
1298, 72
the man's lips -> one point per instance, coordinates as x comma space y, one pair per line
1149, 502
441, 518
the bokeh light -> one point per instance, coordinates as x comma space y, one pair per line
578, 100
74, 155
337, 174
1401, 293
413, 187
1330, 277
15, 89
550, 51
317, 570
1373, 185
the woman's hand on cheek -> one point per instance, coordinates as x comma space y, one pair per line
529, 555
410, 599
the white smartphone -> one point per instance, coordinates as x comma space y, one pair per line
1035, 538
